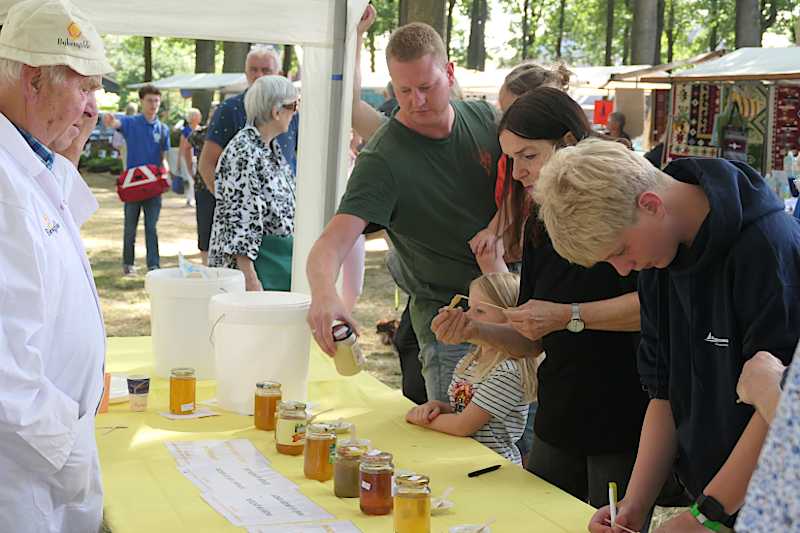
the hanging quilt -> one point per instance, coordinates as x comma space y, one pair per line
694, 108
785, 133
752, 102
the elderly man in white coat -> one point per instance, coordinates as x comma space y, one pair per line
52, 341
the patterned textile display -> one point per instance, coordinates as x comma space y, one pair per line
660, 114
752, 100
785, 133
694, 108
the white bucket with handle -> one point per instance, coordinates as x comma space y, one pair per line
259, 336
179, 316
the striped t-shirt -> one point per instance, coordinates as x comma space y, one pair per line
500, 394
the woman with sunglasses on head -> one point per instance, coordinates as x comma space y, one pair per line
591, 405
255, 192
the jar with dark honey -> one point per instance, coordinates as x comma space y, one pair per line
375, 483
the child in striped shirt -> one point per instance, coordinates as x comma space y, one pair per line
490, 390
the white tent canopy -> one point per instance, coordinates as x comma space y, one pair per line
747, 64
197, 82
326, 31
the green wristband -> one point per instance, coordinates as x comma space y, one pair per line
704, 521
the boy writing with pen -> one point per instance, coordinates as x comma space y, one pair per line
719, 281
490, 391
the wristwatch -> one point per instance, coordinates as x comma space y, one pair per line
709, 512
575, 324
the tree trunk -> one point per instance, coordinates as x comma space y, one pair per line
525, 28
148, 59
430, 12
609, 32
560, 33
659, 31
626, 36
451, 5
476, 51
643, 36
288, 56
204, 61
671, 31
748, 23
713, 23
234, 56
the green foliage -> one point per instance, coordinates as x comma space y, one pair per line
102, 164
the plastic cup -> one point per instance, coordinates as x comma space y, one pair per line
138, 390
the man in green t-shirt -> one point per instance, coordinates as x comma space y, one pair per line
428, 177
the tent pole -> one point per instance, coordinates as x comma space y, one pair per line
335, 126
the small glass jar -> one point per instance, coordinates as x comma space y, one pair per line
268, 395
320, 452
412, 504
346, 469
290, 428
375, 483
349, 359
182, 390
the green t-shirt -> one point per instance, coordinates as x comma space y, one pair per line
432, 196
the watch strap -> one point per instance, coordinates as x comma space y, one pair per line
576, 312
704, 520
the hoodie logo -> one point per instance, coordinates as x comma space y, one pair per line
720, 343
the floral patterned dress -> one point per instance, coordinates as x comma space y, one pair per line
773, 496
255, 197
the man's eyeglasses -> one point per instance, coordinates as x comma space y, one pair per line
292, 106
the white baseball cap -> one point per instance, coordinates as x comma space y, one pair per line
53, 32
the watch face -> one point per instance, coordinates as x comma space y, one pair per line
575, 325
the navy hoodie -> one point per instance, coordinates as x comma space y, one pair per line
734, 292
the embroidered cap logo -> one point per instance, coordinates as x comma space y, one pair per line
74, 30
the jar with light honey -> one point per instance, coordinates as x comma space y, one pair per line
320, 452
268, 396
412, 504
182, 390
290, 428
375, 483
346, 468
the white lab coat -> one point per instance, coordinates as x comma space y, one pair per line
52, 347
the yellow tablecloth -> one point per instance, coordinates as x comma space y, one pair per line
145, 492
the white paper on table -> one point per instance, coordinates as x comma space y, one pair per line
198, 413
231, 477
330, 527
266, 508
199, 452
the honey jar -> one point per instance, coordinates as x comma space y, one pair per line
320, 452
375, 483
268, 395
290, 428
182, 389
412, 504
346, 468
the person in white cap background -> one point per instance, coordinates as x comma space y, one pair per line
52, 340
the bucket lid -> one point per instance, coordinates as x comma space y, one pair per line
257, 307
170, 282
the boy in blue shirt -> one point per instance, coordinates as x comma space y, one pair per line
147, 139
719, 282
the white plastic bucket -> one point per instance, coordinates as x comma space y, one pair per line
179, 317
259, 336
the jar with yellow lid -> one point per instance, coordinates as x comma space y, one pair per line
375, 483
290, 428
412, 504
182, 391
320, 452
346, 469
268, 395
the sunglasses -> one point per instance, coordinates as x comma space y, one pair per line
292, 106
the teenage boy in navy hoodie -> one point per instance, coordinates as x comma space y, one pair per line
719, 281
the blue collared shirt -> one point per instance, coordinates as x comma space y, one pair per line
42, 151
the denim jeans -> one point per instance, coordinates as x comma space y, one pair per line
438, 363
152, 208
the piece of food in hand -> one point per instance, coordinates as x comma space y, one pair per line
455, 301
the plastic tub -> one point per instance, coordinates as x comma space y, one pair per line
259, 336
179, 317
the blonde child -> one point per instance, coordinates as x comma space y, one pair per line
490, 390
